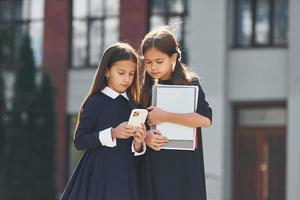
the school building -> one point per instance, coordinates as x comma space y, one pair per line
246, 53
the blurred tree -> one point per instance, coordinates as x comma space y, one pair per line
25, 84
20, 157
2, 127
2, 105
2, 111
45, 134
7, 48
28, 172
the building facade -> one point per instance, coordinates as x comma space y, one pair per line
246, 53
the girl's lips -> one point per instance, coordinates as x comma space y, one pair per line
155, 73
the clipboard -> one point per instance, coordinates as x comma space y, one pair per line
176, 99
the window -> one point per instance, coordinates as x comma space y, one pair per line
19, 17
173, 13
260, 23
95, 27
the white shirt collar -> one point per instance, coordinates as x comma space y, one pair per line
113, 94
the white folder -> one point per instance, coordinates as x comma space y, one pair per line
176, 99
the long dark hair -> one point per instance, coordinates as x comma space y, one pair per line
164, 40
116, 52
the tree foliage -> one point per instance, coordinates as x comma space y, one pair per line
28, 172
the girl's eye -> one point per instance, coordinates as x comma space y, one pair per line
131, 74
121, 73
160, 61
147, 62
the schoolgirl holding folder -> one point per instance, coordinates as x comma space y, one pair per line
170, 174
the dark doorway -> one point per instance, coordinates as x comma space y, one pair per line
259, 152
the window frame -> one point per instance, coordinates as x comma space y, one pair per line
253, 43
13, 23
89, 19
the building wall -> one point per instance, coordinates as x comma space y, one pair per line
293, 90
133, 21
79, 82
236, 75
208, 57
56, 63
257, 74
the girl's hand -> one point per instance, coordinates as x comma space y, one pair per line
155, 115
139, 137
122, 131
155, 140
140, 134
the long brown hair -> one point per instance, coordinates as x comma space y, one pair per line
164, 40
116, 52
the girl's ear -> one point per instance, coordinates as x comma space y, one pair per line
174, 58
107, 74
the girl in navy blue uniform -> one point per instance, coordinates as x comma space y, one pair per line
170, 174
107, 169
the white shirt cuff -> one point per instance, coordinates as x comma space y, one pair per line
106, 139
138, 153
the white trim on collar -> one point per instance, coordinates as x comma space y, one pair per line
113, 94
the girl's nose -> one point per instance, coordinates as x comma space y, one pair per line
153, 66
127, 79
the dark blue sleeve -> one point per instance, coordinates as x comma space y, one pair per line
203, 107
86, 135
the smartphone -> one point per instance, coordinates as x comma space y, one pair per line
138, 117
